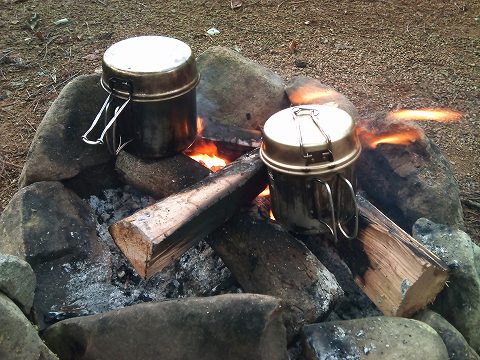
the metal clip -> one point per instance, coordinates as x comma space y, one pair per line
317, 156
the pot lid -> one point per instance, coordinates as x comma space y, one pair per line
149, 67
309, 139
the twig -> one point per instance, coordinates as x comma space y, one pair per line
102, 2
291, 3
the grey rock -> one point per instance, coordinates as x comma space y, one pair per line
57, 151
18, 338
459, 302
50, 227
17, 281
457, 346
303, 90
162, 177
409, 181
372, 338
242, 326
234, 90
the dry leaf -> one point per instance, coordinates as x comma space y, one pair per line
292, 47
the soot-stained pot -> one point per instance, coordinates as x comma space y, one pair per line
151, 107
310, 152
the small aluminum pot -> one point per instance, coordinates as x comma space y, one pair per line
151, 105
310, 152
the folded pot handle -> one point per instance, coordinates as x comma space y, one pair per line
355, 205
332, 228
336, 222
113, 82
110, 123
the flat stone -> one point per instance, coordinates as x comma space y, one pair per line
457, 346
459, 302
234, 90
57, 151
303, 90
241, 326
17, 281
408, 181
18, 338
160, 177
372, 338
51, 228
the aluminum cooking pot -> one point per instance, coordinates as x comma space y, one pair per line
151, 105
310, 152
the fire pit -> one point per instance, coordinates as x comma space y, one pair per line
247, 255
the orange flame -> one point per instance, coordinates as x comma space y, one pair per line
265, 192
206, 152
309, 94
401, 137
439, 115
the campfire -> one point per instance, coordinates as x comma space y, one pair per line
210, 229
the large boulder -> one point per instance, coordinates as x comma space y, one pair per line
242, 326
407, 181
372, 338
17, 281
457, 346
54, 230
57, 151
303, 90
459, 302
18, 338
237, 91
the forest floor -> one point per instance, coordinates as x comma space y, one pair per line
382, 54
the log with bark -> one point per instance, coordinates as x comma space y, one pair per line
155, 236
399, 274
265, 259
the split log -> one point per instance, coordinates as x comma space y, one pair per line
265, 259
398, 273
155, 236
160, 177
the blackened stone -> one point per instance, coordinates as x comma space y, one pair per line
457, 346
372, 338
50, 227
160, 177
459, 302
57, 151
242, 326
302, 90
408, 181
17, 281
234, 90
18, 338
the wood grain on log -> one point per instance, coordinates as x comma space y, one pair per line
157, 235
402, 275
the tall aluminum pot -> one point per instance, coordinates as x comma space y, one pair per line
310, 152
151, 105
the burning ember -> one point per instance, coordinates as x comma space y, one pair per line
403, 135
266, 193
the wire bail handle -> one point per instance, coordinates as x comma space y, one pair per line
112, 82
310, 158
336, 222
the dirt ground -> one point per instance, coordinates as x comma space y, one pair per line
382, 54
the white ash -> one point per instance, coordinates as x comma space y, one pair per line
113, 283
